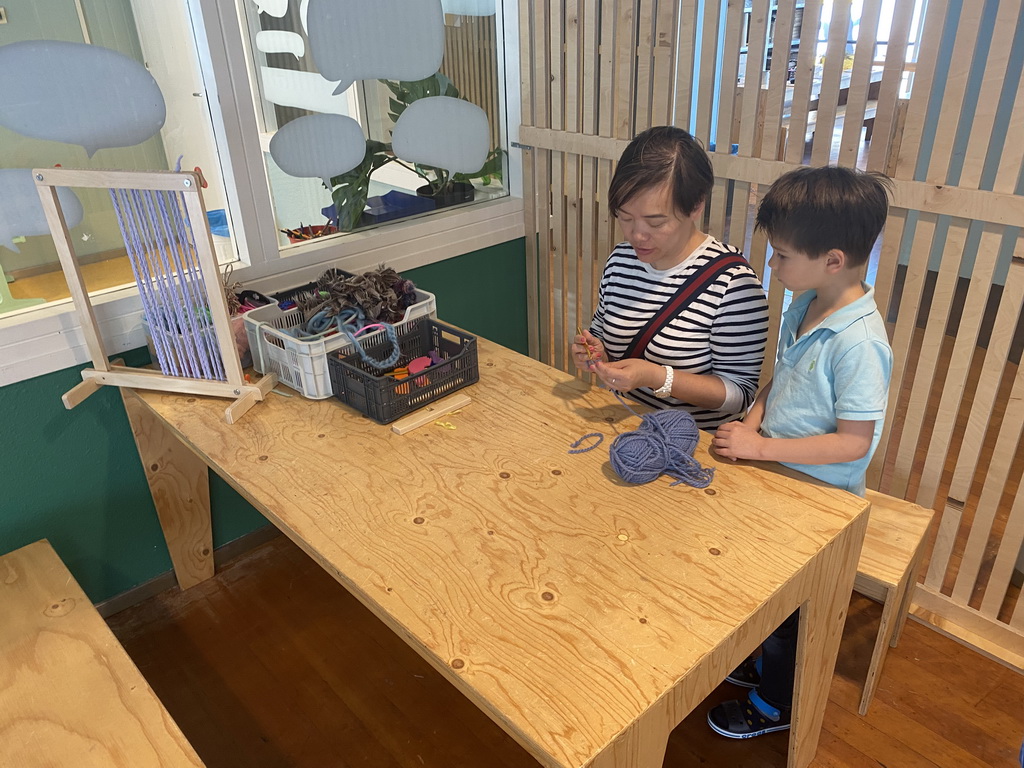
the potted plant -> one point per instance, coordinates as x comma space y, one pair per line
350, 190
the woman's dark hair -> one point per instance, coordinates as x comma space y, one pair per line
814, 210
659, 155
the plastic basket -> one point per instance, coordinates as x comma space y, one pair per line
384, 398
302, 365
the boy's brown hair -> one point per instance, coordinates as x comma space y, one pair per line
816, 210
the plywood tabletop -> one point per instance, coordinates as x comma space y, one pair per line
560, 598
69, 694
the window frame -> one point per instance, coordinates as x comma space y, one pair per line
39, 340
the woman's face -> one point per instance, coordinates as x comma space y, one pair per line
660, 234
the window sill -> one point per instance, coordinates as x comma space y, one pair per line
37, 341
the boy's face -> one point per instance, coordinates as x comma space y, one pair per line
796, 270
660, 234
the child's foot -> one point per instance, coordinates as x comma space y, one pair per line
747, 674
747, 719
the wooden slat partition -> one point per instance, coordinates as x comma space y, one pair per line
600, 72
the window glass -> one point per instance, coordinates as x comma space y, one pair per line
374, 110
90, 84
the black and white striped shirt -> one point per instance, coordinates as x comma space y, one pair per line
722, 331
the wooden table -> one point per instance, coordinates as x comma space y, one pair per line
586, 616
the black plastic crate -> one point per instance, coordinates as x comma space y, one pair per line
384, 398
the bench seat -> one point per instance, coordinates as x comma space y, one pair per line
69, 693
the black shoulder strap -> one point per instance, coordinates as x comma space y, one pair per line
694, 286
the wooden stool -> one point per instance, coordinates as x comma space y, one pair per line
893, 546
69, 694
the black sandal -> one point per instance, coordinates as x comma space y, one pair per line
747, 719
747, 674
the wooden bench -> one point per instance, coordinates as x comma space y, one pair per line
887, 571
69, 694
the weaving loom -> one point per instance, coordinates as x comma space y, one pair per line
167, 239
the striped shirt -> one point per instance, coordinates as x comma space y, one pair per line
722, 331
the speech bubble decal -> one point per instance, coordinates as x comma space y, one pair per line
276, 41
469, 7
275, 8
21, 213
371, 39
318, 146
304, 90
443, 132
78, 94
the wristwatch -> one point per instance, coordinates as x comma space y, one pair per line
665, 390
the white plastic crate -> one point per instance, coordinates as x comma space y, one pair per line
302, 365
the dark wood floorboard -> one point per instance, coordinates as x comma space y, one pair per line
273, 664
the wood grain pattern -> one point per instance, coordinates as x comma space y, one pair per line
69, 694
181, 493
565, 603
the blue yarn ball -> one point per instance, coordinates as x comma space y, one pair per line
663, 444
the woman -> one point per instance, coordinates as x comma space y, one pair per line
682, 319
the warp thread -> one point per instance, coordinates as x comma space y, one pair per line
663, 444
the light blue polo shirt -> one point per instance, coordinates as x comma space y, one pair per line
838, 370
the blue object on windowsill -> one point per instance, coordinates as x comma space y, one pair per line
734, 149
394, 205
218, 222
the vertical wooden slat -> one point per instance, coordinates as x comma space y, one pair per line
682, 114
726, 107
624, 104
888, 92
831, 80
1005, 181
860, 85
666, 31
998, 471
590, 30
751, 117
706, 61
805, 61
778, 80
904, 168
644, 65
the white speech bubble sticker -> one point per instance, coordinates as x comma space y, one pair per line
78, 94
276, 41
318, 146
275, 8
469, 7
443, 132
371, 39
21, 213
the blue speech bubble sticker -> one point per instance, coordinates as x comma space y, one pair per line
371, 39
21, 213
318, 146
78, 94
443, 132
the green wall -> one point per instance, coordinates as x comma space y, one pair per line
74, 477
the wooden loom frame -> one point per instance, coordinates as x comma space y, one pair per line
235, 386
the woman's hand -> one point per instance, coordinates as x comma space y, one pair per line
631, 373
586, 350
738, 440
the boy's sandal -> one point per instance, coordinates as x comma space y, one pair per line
747, 719
747, 674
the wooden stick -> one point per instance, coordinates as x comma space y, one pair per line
428, 413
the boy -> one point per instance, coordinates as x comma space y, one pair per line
823, 410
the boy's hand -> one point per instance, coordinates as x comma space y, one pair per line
737, 440
586, 350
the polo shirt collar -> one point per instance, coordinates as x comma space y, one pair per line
838, 321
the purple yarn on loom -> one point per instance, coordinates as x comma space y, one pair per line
663, 444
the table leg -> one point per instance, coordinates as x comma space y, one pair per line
642, 745
830, 577
180, 485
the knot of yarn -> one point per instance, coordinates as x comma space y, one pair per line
663, 444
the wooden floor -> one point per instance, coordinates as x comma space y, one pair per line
272, 663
